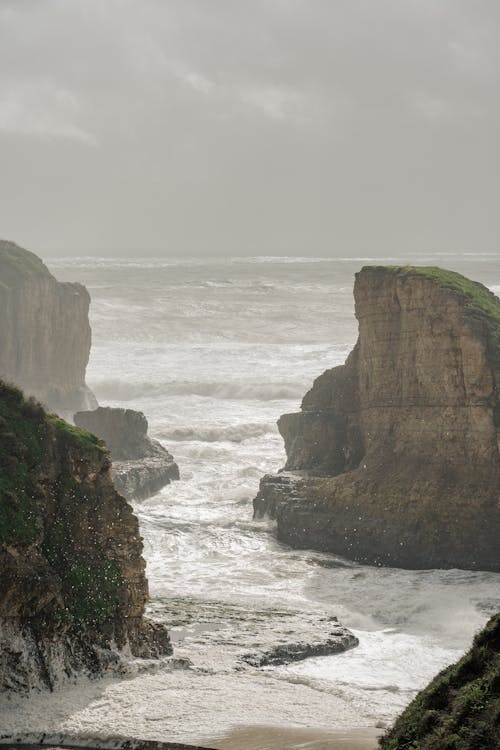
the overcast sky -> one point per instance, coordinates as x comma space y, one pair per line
321, 127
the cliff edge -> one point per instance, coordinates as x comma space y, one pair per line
72, 584
45, 333
394, 458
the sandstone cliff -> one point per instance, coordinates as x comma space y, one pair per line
141, 465
394, 458
460, 709
45, 332
72, 584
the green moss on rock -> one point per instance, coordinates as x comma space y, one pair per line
460, 709
91, 586
75, 436
91, 583
92, 591
22, 435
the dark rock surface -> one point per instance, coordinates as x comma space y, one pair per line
338, 640
141, 465
395, 456
460, 708
35, 741
72, 586
58, 741
45, 333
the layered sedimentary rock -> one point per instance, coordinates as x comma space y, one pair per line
460, 709
141, 465
45, 332
394, 458
72, 584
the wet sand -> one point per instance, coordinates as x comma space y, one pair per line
292, 738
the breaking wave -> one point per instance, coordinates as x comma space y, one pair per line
231, 433
118, 390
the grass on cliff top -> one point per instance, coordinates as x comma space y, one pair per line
460, 709
24, 427
75, 435
477, 295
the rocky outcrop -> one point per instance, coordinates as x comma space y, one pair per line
394, 458
460, 709
336, 641
72, 585
45, 332
141, 465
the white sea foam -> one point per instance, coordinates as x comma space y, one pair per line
117, 390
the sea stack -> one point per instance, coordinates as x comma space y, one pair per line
73, 586
394, 458
45, 333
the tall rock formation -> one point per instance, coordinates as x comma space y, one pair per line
141, 465
460, 709
72, 577
395, 456
45, 332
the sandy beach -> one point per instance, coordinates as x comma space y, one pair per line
293, 738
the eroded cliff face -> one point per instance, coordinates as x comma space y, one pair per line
394, 458
72, 584
141, 465
45, 332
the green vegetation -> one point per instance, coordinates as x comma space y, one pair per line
460, 709
75, 436
22, 436
91, 587
24, 428
478, 297
91, 583
92, 591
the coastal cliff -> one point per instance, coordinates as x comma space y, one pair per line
394, 458
73, 585
141, 465
45, 333
460, 709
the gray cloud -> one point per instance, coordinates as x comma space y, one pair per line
271, 126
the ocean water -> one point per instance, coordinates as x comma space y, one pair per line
213, 352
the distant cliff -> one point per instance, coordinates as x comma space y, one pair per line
72, 584
460, 709
141, 465
394, 458
45, 332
